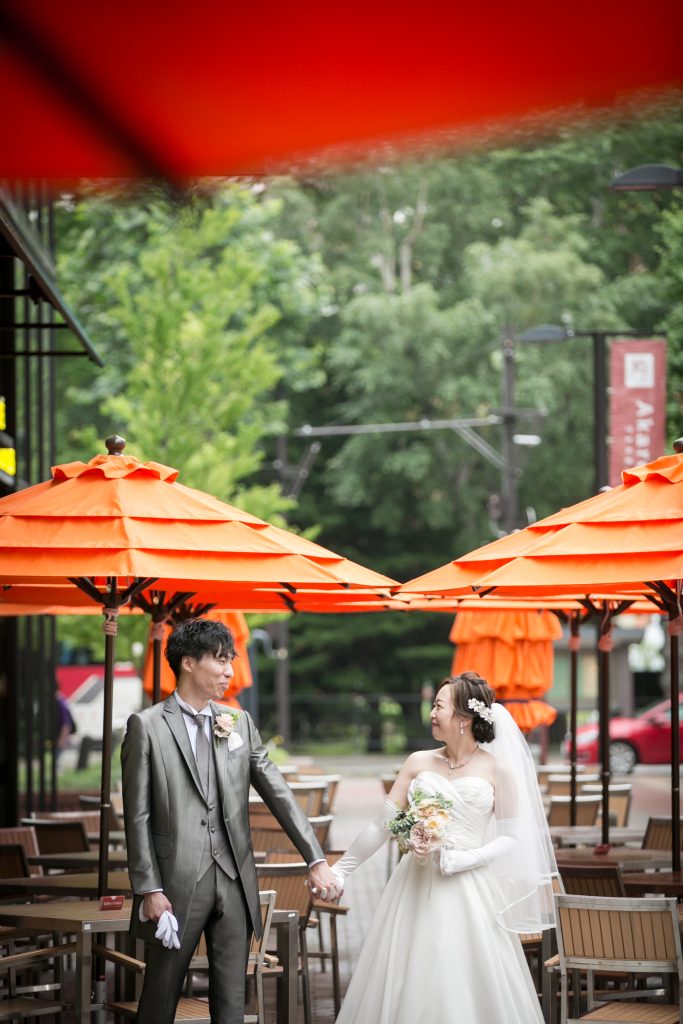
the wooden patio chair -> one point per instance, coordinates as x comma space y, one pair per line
587, 807
331, 784
288, 880
592, 880
26, 836
320, 912
13, 864
638, 936
659, 834
92, 804
267, 836
193, 1008
310, 795
59, 836
619, 801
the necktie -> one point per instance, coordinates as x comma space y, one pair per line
202, 747
202, 752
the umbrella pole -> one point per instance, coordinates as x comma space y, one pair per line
574, 645
603, 683
110, 627
675, 747
157, 640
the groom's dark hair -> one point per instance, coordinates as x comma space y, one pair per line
197, 637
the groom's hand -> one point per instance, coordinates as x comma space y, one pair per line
323, 883
154, 904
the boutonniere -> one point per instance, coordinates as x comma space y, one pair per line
224, 729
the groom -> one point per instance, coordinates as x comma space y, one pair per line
186, 785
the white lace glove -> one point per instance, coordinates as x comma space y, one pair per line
452, 862
167, 929
368, 841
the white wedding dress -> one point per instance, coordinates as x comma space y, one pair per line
435, 951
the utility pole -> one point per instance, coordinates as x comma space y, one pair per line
509, 415
280, 629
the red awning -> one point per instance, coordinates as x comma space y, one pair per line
92, 90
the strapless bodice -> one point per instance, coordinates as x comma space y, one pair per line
472, 805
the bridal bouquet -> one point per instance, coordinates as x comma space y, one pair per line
420, 825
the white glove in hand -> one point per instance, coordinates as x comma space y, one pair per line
367, 842
167, 930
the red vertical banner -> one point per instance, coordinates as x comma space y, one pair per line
637, 404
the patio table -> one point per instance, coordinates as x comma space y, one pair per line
625, 857
82, 919
84, 860
584, 835
70, 884
666, 883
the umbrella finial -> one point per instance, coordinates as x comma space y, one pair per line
115, 444
678, 446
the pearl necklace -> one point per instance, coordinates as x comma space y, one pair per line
452, 765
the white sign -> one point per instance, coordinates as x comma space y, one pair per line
639, 370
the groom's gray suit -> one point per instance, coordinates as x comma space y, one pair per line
194, 844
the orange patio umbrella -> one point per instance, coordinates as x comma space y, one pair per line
116, 528
225, 89
513, 650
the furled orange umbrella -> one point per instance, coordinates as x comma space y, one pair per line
513, 650
117, 527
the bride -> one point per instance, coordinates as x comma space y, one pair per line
477, 872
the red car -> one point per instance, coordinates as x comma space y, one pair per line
643, 739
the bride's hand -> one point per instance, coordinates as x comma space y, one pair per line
453, 861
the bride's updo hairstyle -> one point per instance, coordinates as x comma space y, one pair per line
470, 686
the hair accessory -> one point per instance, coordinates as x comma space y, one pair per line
481, 709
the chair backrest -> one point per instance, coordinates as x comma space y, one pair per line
592, 880
387, 779
634, 935
659, 834
267, 836
92, 803
587, 807
330, 783
561, 785
59, 836
90, 819
619, 800
13, 863
287, 881
26, 836
310, 795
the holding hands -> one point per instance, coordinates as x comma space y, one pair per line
325, 883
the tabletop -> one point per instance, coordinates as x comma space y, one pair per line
626, 857
666, 883
85, 859
83, 883
84, 915
585, 835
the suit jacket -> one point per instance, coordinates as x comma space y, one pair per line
164, 804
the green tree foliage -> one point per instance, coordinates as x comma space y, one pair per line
432, 263
379, 295
196, 308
